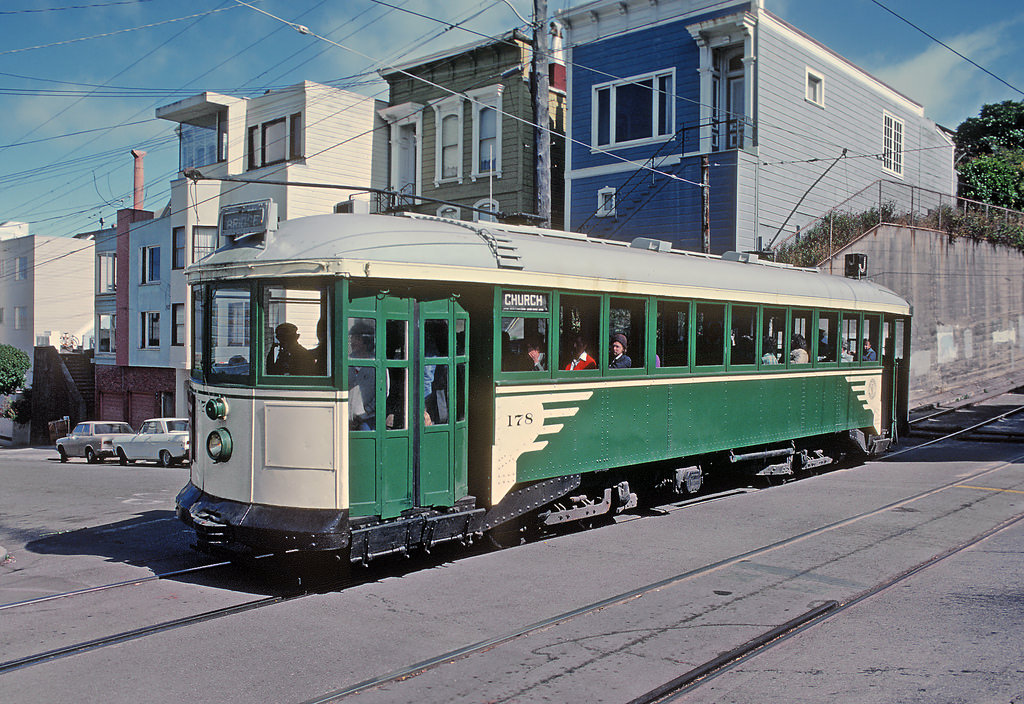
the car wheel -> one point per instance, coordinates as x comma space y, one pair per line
90, 456
122, 458
165, 458
63, 453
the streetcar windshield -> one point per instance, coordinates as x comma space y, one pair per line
229, 334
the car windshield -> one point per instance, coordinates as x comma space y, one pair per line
112, 428
177, 426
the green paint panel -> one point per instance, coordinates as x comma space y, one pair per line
630, 425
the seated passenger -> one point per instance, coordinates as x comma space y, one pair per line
535, 360
798, 350
869, 352
768, 348
291, 357
619, 358
580, 358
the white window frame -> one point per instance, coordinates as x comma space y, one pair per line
449, 107
109, 331
450, 212
106, 272
145, 258
21, 268
893, 146
148, 319
603, 200
20, 317
811, 77
488, 97
407, 116
204, 241
613, 86
179, 331
485, 204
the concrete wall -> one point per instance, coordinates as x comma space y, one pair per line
968, 298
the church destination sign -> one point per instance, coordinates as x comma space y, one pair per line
524, 302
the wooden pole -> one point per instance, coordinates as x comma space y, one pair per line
705, 194
540, 110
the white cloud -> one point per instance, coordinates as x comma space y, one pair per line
950, 88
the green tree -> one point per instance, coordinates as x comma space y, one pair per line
990, 151
14, 364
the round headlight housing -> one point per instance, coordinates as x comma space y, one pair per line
218, 445
217, 408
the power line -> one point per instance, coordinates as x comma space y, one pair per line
942, 43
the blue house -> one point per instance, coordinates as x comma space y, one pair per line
666, 93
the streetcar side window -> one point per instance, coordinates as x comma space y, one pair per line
742, 335
579, 326
800, 336
296, 331
673, 344
524, 344
198, 326
850, 351
773, 334
870, 351
229, 334
828, 336
709, 334
626, 320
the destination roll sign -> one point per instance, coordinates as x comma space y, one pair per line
525, 302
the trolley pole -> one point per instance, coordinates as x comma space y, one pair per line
540, 110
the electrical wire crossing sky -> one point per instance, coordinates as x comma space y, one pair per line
80, 81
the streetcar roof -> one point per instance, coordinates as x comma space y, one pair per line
434, 249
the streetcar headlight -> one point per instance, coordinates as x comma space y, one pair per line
218, 445
217, 408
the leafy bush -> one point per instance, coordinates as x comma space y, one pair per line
14, 364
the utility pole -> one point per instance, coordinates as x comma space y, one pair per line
705, 197
540, 110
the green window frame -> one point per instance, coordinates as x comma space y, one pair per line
665, 328
308, 337
570, 309
525, 314
637, 352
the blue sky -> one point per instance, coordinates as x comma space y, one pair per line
101, 67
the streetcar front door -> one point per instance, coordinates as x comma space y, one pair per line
406, 367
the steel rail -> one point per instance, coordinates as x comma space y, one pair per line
712, 669
483, 645
114, 585
955, 434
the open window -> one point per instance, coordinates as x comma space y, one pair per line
626, 326
673, 343
579, 328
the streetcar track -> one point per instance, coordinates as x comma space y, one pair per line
487, 644
702, 674
464, 651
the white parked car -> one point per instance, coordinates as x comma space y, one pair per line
162, 440
93, 440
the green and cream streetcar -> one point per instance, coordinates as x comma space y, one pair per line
377, 384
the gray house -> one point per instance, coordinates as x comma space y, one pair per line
657, 88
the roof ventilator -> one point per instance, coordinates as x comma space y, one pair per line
651, 244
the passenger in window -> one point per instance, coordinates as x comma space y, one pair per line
825, 352
869, 352
769, 355
798, 350
580, 358
291, 357
846, 355
320, 351
619, 358
535, 361
362, 381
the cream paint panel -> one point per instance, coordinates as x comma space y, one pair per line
300, 453
232, 479
300, 436
521, 421
868, 391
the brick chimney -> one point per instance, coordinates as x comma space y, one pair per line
140, 179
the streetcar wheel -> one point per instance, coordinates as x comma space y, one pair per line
90, 456
63, 453
122, 458
165, 458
